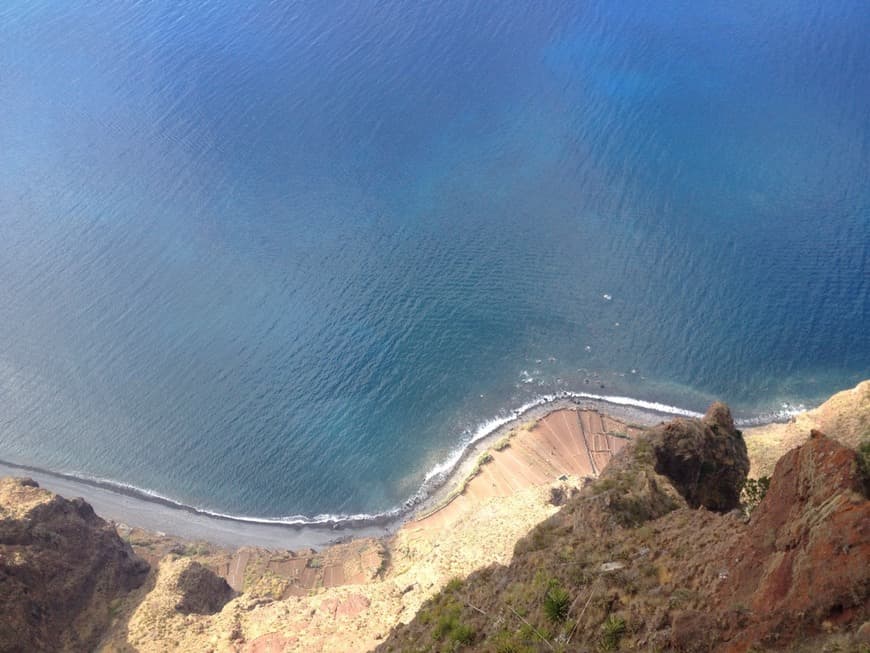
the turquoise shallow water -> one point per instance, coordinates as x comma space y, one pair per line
285, 260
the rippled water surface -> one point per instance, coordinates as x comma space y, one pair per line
283, 258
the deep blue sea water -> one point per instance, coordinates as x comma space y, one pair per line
283, 258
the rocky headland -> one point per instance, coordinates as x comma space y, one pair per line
575, 531
63, 570
655, 555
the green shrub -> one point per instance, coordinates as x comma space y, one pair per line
503, 444
643, 451
864, 464
462, 633
603, 485
454, 584
753, 492
557, 602
505, 643
450, 627
445, 625
613, 629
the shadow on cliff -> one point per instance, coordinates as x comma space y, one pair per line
63, 570
657, 555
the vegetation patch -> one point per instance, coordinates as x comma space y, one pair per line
504, 443
557, 602
613, 629
448, 626
864, 464
753, 492
454, 584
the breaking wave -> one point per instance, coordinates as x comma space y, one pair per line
437, 476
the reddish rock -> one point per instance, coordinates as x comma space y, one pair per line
349, 606
806, 556
352, 606
271, 643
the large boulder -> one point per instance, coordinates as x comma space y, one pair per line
202, 591
684, 462
61, 567
705, 459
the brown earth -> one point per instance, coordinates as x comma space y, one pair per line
845, 417
63, 570
348, 597
629, 565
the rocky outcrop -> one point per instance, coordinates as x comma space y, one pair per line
804, 564
61, 566
844, 417
706, 459
685, 462
202, 591
646, 558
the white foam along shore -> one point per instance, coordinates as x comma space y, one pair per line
439, 481
152, 511
137, 509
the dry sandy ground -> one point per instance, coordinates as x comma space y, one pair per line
346, 598
845, 417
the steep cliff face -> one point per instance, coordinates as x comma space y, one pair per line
647, 557
61, 567
651, 557
705, 460
804, 563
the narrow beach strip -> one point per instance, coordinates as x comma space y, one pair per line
141, 509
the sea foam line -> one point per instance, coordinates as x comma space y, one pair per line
434, 478
444, 468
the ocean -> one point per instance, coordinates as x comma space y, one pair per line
284, 260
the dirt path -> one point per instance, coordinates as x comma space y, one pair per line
236, 575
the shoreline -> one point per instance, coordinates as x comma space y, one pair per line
167, 519
344, 598
151, 511
464, 466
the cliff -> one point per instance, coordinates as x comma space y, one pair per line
62, 570
347, 597
652, 556
844, 416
